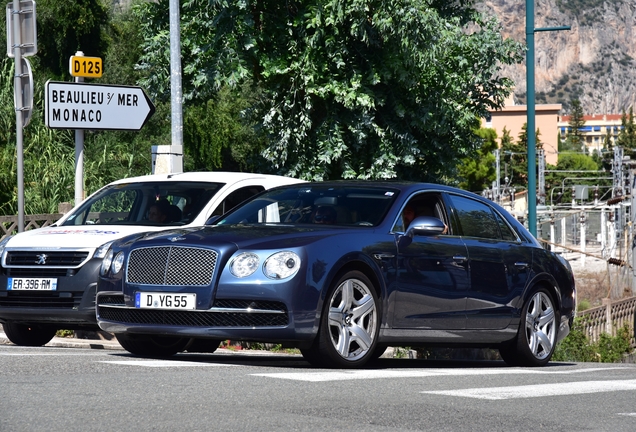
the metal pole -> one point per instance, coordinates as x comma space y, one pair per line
17, 84
175, 74
498, 169
532, 163
79, 155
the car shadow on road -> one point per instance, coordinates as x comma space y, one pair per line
296, 361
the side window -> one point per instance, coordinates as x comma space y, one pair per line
235, 198
506, 232
424, 204
475, 218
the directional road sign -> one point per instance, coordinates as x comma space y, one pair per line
96, 106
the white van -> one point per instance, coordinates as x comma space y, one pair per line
48, 276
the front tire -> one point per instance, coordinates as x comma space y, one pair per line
536, 338
152, 346
29, 335
349, 324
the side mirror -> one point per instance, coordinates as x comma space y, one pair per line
426, 225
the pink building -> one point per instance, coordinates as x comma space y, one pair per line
513, 117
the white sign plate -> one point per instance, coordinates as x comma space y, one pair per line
146, 300
96, 106
31, 284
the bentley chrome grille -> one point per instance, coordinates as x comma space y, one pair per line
171, 265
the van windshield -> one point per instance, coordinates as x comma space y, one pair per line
145, 203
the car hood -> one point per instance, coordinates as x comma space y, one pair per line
242, 236
65, 237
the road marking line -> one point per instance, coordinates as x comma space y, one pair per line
540, 390
419, 373
56, 354
627, 414
162, 363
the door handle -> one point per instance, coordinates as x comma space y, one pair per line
521, 265
459, 258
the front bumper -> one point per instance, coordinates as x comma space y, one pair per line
70, 306
260, 321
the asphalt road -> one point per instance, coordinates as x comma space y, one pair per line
95, 387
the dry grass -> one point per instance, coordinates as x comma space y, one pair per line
592, 287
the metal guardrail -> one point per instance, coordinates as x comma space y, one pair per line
610, 317
9, 224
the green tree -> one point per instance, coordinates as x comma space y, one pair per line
516, 157
478, 172
574, 139
67, 27
562, 192
349, 88
627, 135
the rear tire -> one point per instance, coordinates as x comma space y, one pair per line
536, 337
28, 334
152, 346
349, 324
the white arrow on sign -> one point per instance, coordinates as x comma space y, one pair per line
96, 106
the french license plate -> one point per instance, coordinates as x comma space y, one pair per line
147, 300
31, 284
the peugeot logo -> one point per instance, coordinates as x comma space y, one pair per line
41, 259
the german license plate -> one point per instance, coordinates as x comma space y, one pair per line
147, 300
31, 284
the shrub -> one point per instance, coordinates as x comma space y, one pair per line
575, 347
608, 349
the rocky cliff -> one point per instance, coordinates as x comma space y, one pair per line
594, 61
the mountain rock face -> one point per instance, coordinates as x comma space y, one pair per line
593, 62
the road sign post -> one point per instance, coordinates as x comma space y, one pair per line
21, 42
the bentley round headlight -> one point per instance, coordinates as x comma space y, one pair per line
118, 262
244, 265
106, 262
281, 265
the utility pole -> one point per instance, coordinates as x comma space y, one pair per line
175, 73
498, 170
542, 177
532, 163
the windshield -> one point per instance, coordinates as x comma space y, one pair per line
145, 203
302, 204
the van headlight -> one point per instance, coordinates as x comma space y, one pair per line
100, 252
3, 243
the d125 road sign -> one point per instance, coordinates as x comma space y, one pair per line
96, 106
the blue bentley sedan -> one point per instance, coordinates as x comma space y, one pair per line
341, 270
